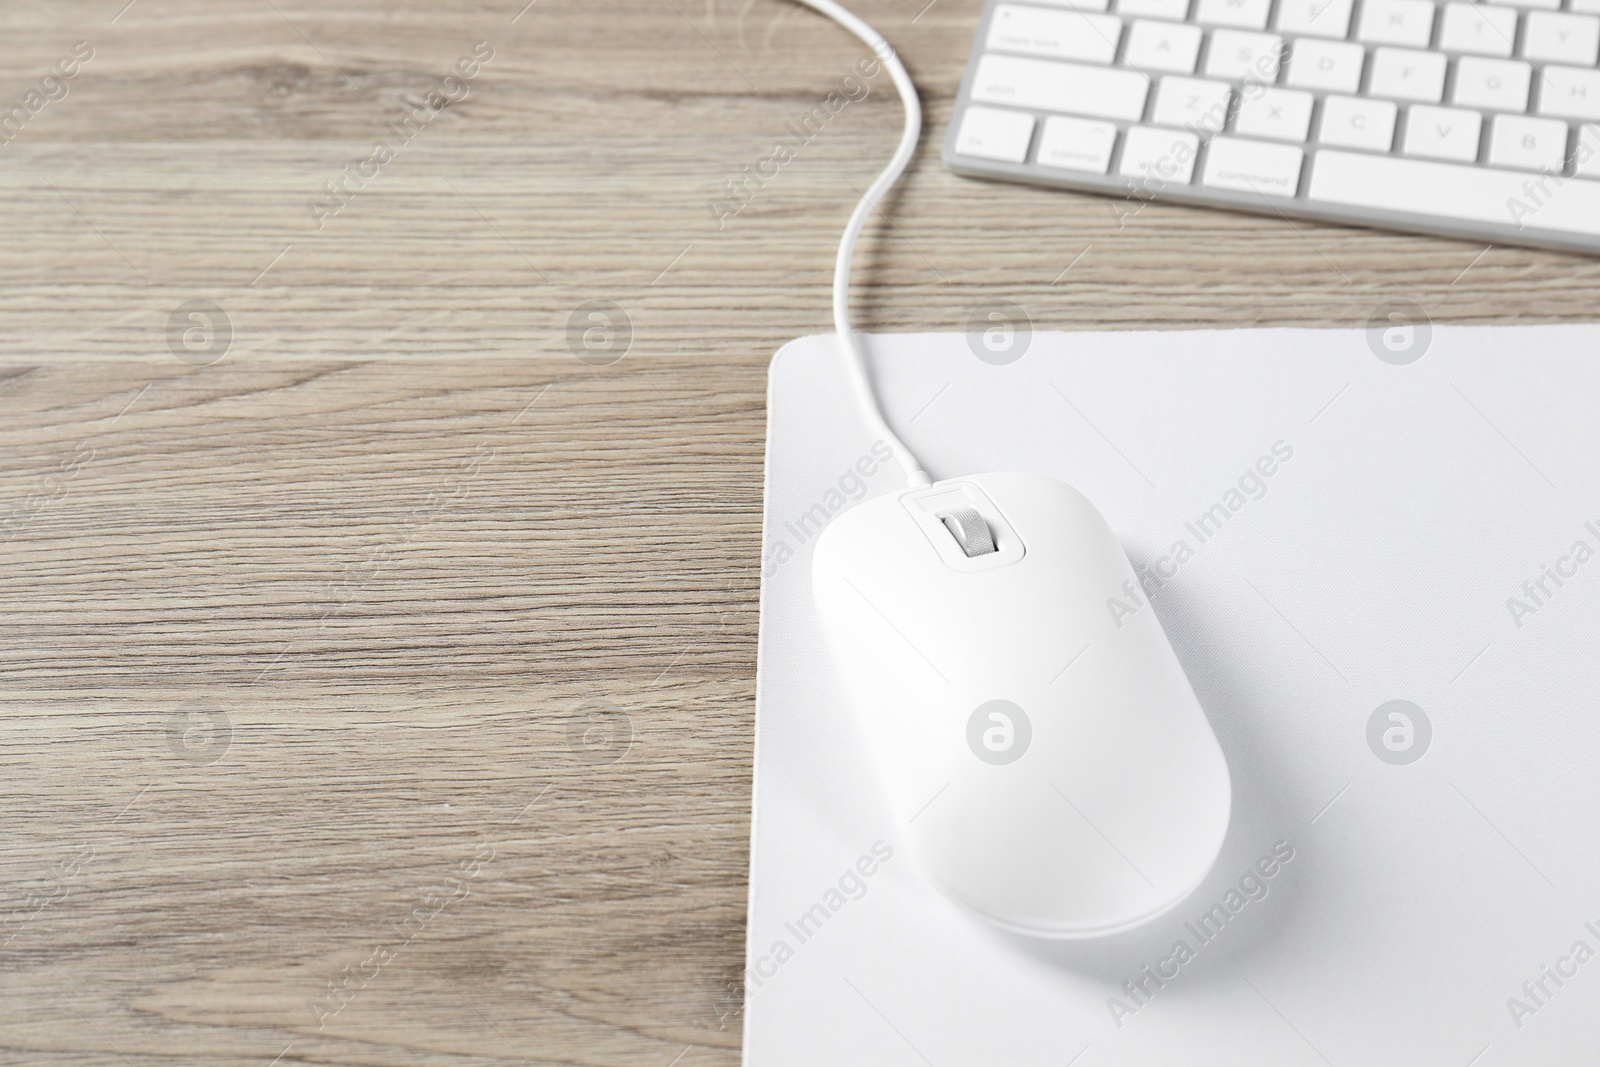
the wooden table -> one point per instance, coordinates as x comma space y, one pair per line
379, 673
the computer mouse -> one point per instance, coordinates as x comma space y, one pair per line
1034, 734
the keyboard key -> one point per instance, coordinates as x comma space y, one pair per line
1175, 10
1236, 55
1496, 84
1442, 133
1453, 191
1193, 103
1407, 75
1532, 144
1278, 114
1357, 123
1569, 93
1079, 5
1331, 65
1165, 156
1241, 14
1481, 29
1318, 18
1587, 7
1098, 92
1402, 22
1553, 5
990, 133
1553, 37
1586, 154
1164, 46
1076, 144
1055, 34
1252, 166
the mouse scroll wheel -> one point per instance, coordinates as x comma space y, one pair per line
969, 530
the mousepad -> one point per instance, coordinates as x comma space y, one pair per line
1377, 555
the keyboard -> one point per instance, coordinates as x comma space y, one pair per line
1476, 120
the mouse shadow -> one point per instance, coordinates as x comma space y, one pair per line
1254, 826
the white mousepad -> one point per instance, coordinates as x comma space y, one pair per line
1395, 634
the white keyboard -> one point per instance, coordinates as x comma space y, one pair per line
1464, 119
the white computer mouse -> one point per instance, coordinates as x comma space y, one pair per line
1034, 734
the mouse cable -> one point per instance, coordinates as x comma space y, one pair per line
855, 365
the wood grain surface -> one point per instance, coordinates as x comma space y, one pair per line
378, 674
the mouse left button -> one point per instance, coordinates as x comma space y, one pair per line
969, 530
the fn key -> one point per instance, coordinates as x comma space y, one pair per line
990, 133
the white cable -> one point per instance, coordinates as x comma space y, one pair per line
855, 366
